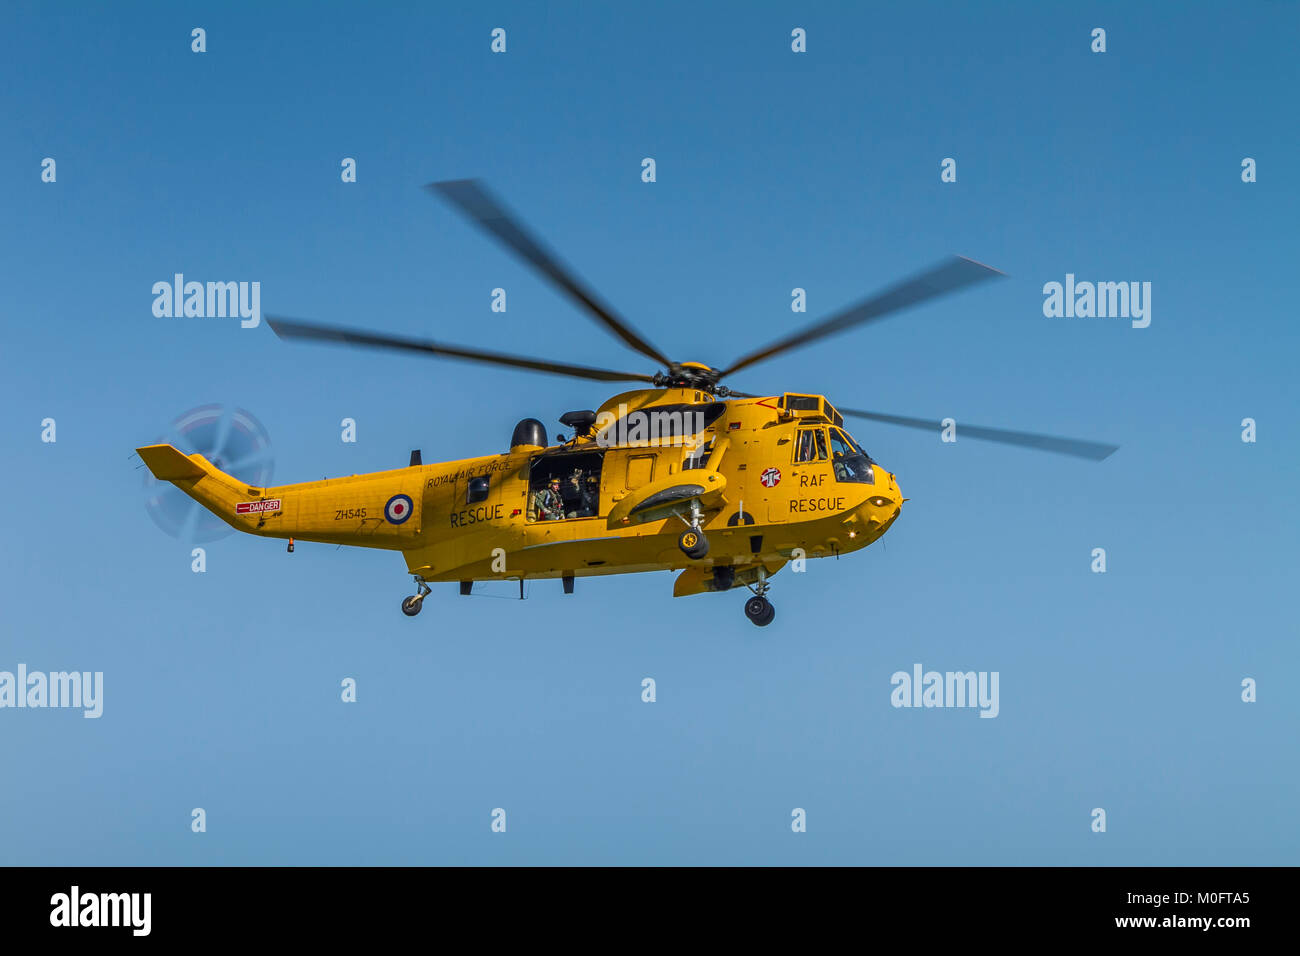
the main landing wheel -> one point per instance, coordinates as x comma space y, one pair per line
760, 611
693, 544
411, 605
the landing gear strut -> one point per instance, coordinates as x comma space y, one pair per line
692, 541
759, 609
411, 606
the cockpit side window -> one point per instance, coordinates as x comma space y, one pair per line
848, 440
810, 445
849, 461
839, 445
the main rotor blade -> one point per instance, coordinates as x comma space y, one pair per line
473, 199
947, 276
1094, 451
294, 329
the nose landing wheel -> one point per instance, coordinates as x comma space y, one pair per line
760, 610
412, 605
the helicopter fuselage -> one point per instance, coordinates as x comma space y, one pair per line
764, 479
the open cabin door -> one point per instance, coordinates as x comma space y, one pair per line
566, 486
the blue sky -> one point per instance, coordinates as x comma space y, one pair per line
774, 170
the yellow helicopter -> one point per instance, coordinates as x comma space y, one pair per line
682, 473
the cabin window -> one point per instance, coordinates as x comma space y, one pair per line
477, 489
564, 486
810, 445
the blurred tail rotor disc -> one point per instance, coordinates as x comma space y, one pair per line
229, 437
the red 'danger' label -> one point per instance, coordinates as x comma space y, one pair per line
257, 507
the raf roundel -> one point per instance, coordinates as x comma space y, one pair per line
771, 477
398, 509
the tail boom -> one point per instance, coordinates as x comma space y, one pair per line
380, 510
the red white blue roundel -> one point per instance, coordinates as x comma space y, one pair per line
771, 477
398, 509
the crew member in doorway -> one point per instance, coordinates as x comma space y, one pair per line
572, 494
547, 504
590, 495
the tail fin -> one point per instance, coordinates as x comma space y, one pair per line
168, 464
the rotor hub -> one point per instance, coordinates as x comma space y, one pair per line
689, 375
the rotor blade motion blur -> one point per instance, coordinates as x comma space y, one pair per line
309, 331
1093, 451
480, 207
948, 276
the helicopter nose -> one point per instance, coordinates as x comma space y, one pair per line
881, 508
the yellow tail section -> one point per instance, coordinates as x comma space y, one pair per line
379, 510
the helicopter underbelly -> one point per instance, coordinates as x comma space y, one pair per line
585, 547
